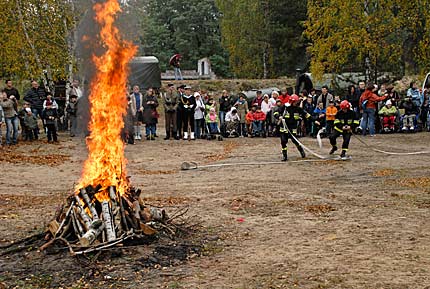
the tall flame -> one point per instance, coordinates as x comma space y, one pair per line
106, 163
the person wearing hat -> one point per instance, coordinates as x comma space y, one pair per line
170, 104
232, 121
289, 117
187, 104
199, 115
388, 113
50, 116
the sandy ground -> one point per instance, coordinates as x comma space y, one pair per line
362, 223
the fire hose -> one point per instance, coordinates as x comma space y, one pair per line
390, 153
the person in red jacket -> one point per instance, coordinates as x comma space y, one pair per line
284, 97
368, 103
258, 118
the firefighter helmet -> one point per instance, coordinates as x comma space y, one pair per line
345, 104
294, 98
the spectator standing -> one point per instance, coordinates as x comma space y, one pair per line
242, 109
393, 95
11, 118
199, 116
50, 115
266, 107
425, 108
170, 104
274, 97
319, 116
51, 100
285, 97
180, 111
71, 110
325, 96
368, 102
75, 89
36, 96
137, 101
30, 125
150, 115
225, 104
2, 120
353, 97
258, 99
129, 118
187, 104
10, 90
308, 107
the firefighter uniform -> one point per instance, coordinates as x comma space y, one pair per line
292, 115
345, 122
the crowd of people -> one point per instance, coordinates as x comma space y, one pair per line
195, 114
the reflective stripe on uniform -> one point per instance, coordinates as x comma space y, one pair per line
338, 129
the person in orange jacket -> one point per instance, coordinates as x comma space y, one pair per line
368, 102
258, 118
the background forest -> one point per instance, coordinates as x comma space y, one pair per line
243, 38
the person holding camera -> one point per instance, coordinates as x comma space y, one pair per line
170, 104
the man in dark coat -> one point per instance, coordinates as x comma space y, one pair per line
35, 96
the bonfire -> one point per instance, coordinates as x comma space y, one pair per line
105, 209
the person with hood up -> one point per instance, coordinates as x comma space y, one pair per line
388, 113
212, 121
232, 121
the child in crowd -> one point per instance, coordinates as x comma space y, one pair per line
411, 111
319, 116
388, 114
258, 118
50, 115
330, 116
337, 102
30, 125
212, 121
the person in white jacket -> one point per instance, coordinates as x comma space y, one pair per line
232, 121
199, 116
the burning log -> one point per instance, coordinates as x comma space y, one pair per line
107, 219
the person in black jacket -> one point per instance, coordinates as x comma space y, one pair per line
289, 117
187, 104
225, 104
50, 115
346, 121
35, 96
71, 111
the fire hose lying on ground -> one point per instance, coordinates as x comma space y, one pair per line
193, 165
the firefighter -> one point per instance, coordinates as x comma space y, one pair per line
345, 122
289, 117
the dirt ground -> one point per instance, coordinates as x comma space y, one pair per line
362, 223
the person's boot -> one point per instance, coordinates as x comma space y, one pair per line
167, 136
343, 154
192, 136
302, 152
176, 136
284, 156
185, 135
333, 149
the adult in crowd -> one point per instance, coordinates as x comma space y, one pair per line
170, 104
266, 107
180, 111
150, 114
75, 89
242, 109
136, 98
225, 103
2, 120
368, 103
325, 96
36, 95
258, 99
187, 104
353, 97
11, 90
11, 118
415, 94
71, 111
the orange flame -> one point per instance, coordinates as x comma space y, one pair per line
106, 163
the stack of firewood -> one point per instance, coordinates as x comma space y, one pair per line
90, 222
